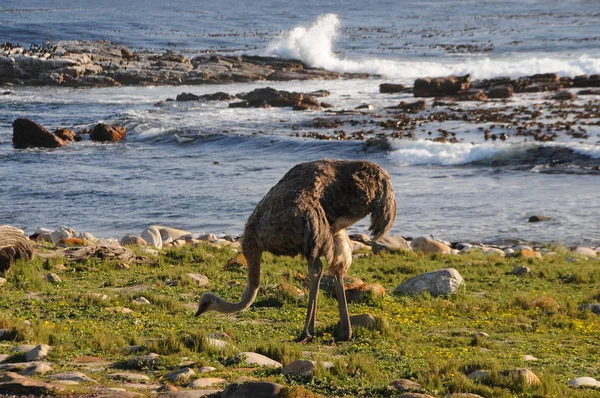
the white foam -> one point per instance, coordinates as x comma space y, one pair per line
424, 152
314, 45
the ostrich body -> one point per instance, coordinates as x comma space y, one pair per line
307, 212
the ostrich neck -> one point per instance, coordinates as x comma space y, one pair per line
227, 307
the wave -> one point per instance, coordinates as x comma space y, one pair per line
314, 45
552, 155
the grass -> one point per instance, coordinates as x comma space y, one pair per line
427, 339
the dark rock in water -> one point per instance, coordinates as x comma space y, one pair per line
586, 81
105, 133
538, 218
471, 95
504, 91
589, 92
65, 134
564, 96
390, 88
187, 97
320, 93
220, 96
14, 245
544, 78
269, 97
366, 106
441, 86
28, 134
410, 106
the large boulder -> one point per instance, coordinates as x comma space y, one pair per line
254, 389
269, 97
441, 86
443, 281
106, 133
29, 134
14, 245
424, 244
392, 244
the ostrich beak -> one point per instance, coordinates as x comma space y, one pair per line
201, 309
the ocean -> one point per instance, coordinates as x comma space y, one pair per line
202, 166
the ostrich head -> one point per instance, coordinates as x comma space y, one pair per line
208, 302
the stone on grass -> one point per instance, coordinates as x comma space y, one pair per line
392, 244
529, 358
15, 384
478, 374
423, 244
524, 377
122, 310
253, 358
205, 382
2, 281
363, 321
133, 240
527, 253
4, 357
463, 395
53, 278
130, 377
440, 282
73, 376
143, 360
23, 349
258, 389
38, 368
585, 251
493, 251
201, 280
414, 395
216, 343
38, 353
207, 369
581, 382
301, 367
521, 270
405, 385
180, 375
545, 303
594, 307
141, 301
359, 292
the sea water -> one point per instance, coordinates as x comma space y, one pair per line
204, 166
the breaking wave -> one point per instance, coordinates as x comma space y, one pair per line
314, 45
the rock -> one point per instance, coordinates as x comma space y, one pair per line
521, 270
392, 244
168, 234
583, 382
443, 281
167, 388
180, 375
411, 107
439, 87
15, 384
122, 310
2, 282
529, 358
255, 389
187, 97
414, 395
215, 343
424, 244
141, 301
253, 358
200, 280
589, 92
205, 382
65, 134
38, 353
38, 368
53, 278
69, 242
23, 349
585, 251
367, 321
405, 385
538, 218
152, 236
14, 245
527, 253
29, 134
564, 96
463, 395
545, 303
106, 133
73, 376
594, 307
129, 377
132, 240
301, 367
359, 292
270, 97
523, 376
143, 361
500, 92
391, 88
207, 369
478, 374
3, 332
493, 251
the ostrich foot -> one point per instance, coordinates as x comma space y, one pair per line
304, 338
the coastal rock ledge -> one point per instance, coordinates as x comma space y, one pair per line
105, 64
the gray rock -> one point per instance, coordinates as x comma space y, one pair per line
363, 321
205, 382
529, 358
53, 278
200, 280
594, 307
493, 251
15, 384
301, 367
206, 369
130, 377
253, 358
180, 375
141, 300
257, 389
132, 240
443, 281
38, 368
521, 270
38, 353
585, 251
143, 360
390, 244
478, 374
580, 382
424, 244
152, 236
405, 385
522, 376
73, 376
215, 343
22, 349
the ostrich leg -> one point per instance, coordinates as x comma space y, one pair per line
345, 327
315, 269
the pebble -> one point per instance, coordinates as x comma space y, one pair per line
123, 310
594, 307
215, 343
363, 320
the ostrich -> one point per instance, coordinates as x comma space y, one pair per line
307, 212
